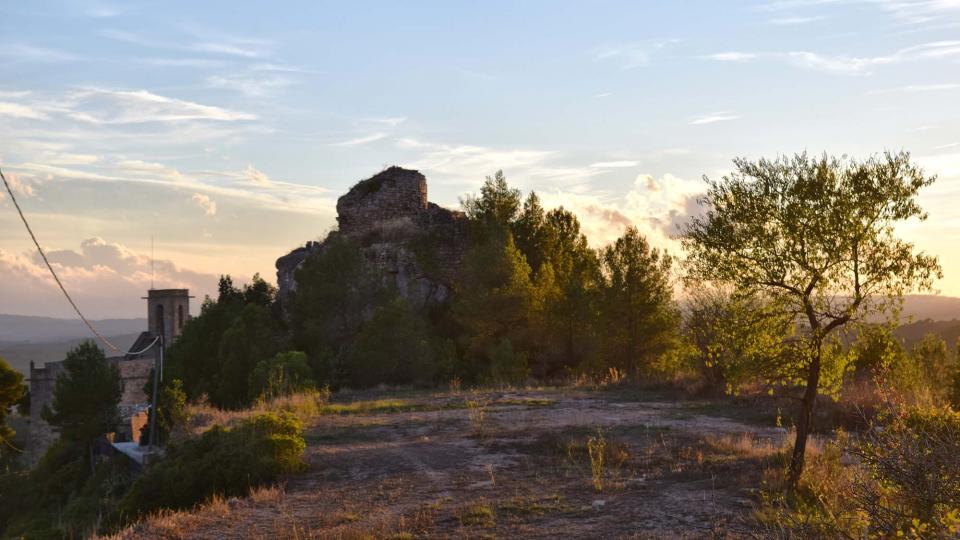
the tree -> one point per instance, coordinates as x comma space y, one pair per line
393, 347
495, 302
12, 391
737, 340
638, 311
496, 208
332, 299
85, 397
282, 375
816, 236
249, 340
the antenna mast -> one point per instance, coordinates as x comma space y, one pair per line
151, 261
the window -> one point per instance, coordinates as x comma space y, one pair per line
160, 326
180, 317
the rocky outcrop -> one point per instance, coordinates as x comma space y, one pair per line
407, 241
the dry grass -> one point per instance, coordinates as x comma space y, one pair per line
304, 405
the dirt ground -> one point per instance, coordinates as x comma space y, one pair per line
508, 464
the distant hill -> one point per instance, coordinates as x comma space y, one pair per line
914, 332
19, 354
47, 339
22, 328
935, 308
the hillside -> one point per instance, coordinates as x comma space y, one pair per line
19, 353
22, 328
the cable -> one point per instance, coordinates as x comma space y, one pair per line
49, 267
145, 349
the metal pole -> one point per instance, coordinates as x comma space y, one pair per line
157, 366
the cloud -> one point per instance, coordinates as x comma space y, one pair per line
917, 88
106, 106
658, 207
203, 201
17, 185
392, 121
209, 44
257, 177
793, 21
30, 53
249, 85
847, 64
632, 55
106, 279
367, 139
16, 110
720, 116
614, 164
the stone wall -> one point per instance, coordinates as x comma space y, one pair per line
410, 243
133, 373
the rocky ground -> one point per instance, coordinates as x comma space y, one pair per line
501, 464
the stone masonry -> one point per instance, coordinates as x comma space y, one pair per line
393, 222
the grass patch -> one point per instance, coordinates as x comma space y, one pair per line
532, 506
480, 514
382, 406
526, 402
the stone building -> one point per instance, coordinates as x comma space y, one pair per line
167, 312
389, 216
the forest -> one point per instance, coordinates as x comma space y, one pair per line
786, 289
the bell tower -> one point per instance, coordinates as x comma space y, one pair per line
168, 310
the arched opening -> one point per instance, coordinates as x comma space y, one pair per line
160, 326
180, 317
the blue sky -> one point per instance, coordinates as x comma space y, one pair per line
226, 130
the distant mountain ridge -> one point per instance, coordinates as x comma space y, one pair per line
27, 329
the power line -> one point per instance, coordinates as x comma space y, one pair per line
49, 267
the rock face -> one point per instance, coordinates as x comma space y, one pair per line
407, 241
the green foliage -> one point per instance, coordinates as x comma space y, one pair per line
395, 346
284, 374
638, 313
12, 392
495, 209
173, 414
495, 303
85, 396
62, 497
224, 461
218, 350
738, 340
816, 237
333, 298
249, 340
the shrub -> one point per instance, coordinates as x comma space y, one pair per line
906, 484
285, 374
224, 461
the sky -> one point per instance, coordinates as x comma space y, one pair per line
225, 131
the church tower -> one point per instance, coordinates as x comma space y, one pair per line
167, 312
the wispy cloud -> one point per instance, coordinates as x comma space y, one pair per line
250, 85
109, 106
16, 110
366, 139
794, 21
208, 205
917, 88
225, 46
257, 177
632, 55
843, 63
614, 164
719, 116
31, 53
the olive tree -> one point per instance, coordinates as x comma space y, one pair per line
815, 235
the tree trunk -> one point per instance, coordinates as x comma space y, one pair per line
804, 422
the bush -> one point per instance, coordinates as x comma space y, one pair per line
285, 374
223, 461
906, 484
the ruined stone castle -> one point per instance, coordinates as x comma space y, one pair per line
167, 312
391, 219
